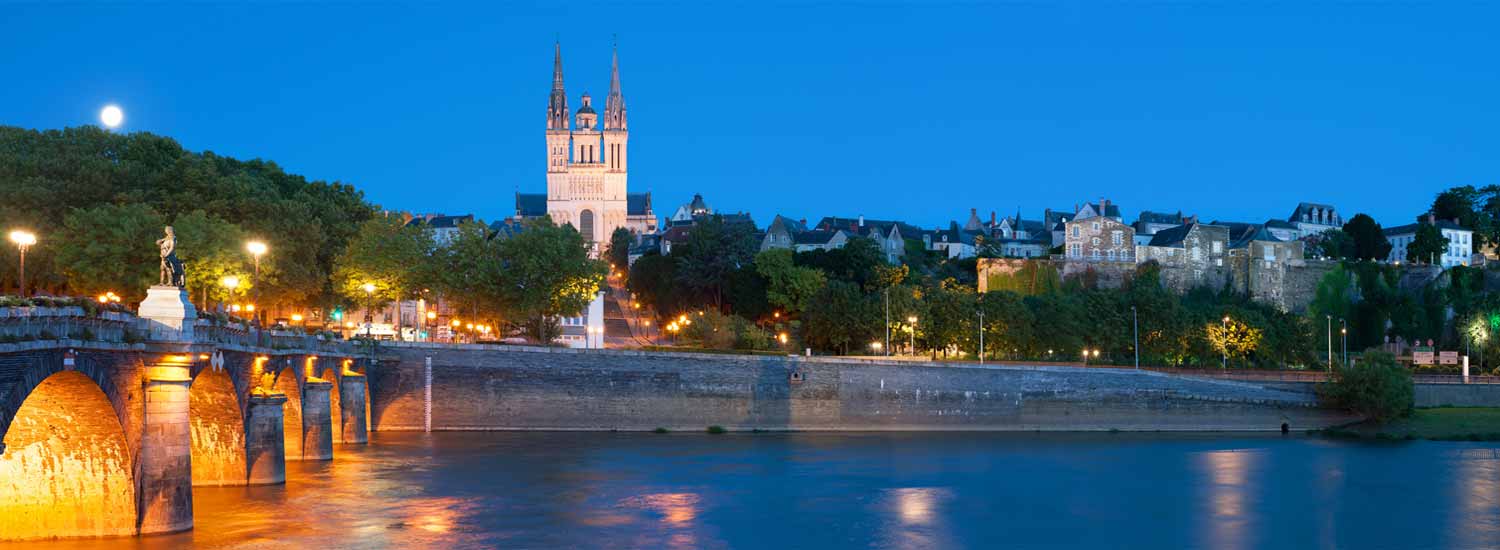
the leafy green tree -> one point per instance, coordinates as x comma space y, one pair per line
548, 274
1332, 244
468, 272
788, 287
618, 252
840, 317
653, 280
111, 248
388, 254
215, 250
952, 314
1376, 386
1008, 325
713, 250
1233, 338
856, 262
745, 293
1427, 246
1369, 241
1332, 296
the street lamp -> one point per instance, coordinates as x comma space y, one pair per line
912, 330
231, 283
1344, 341
981, 337
23, 240
1135, 329
1330, 343
1224, 361
369, 315
875, 347
256, 249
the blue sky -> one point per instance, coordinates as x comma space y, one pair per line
890, 110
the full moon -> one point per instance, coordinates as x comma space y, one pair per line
111, 116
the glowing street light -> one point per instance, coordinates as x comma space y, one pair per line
23, 240
111, 116
912, 330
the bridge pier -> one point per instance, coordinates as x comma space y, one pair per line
164, 477
265, 442
352, 402
317, 421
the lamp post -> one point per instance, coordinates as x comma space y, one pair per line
1330, 343
1135, 328
23, 240
1224, 359
231, 283
369, 305
1344, 341
256, 249
981, 337
431, 318
912, 322
887, 321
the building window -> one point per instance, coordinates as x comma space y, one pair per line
1094, 253
1270, 254
1096, 226
1117, 237
1077, 231
1218, 247
1111, 254
1197, 254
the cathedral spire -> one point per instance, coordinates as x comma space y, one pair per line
614, 103
557, 104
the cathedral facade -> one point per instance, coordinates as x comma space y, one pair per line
588, 165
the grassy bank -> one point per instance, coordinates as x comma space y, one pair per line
1438, 424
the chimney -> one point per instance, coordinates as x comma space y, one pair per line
974, 212
803, 221
992, 218
1103, 206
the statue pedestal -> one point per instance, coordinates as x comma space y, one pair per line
169, 314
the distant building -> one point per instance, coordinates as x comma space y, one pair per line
693, 210
1191, 255
587, 168
1460, 249
443, 227
819, 239
1313, 218
1099, 238
1102, 209
889, 236
1148, 223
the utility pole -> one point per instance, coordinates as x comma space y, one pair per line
1135, 324
1330, 343
981, 337
1344, 340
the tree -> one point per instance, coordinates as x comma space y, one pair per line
1369, 240
1332, 297
1007, 324
467, 271
386, 253
838, 317
547, 274
618, 252
788, 286
712, 251
1233, 338
1376, 386
213, 249
951, 317
1332, 244
653, 280
1428, 245
1460, 204
111, 248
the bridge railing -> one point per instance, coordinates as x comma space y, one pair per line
26, 324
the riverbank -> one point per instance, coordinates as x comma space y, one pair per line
1436, 424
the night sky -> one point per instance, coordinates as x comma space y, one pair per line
917, 112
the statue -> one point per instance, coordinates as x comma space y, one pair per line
172, 271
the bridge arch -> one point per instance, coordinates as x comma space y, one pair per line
332, 374
66, 470
291, 413
216, 414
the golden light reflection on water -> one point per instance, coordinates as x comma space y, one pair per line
916, 517
1228, 487
677, 512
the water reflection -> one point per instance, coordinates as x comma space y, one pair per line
1228, 493
677, 512
915, 518
1476, 492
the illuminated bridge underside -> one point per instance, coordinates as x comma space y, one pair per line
112, 442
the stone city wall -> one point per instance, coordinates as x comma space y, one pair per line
508, 387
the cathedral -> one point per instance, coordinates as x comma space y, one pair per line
588, 166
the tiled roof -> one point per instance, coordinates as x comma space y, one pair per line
506, 228
1411, 228
441, 222
1172, 236
816, 236
1160, 217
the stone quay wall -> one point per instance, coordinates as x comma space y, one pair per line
527, 388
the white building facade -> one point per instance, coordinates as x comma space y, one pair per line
1460, 243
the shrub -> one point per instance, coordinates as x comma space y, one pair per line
716, 429
1376, 386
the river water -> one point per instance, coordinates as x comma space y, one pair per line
867, 490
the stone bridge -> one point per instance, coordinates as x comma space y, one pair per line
108, 439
